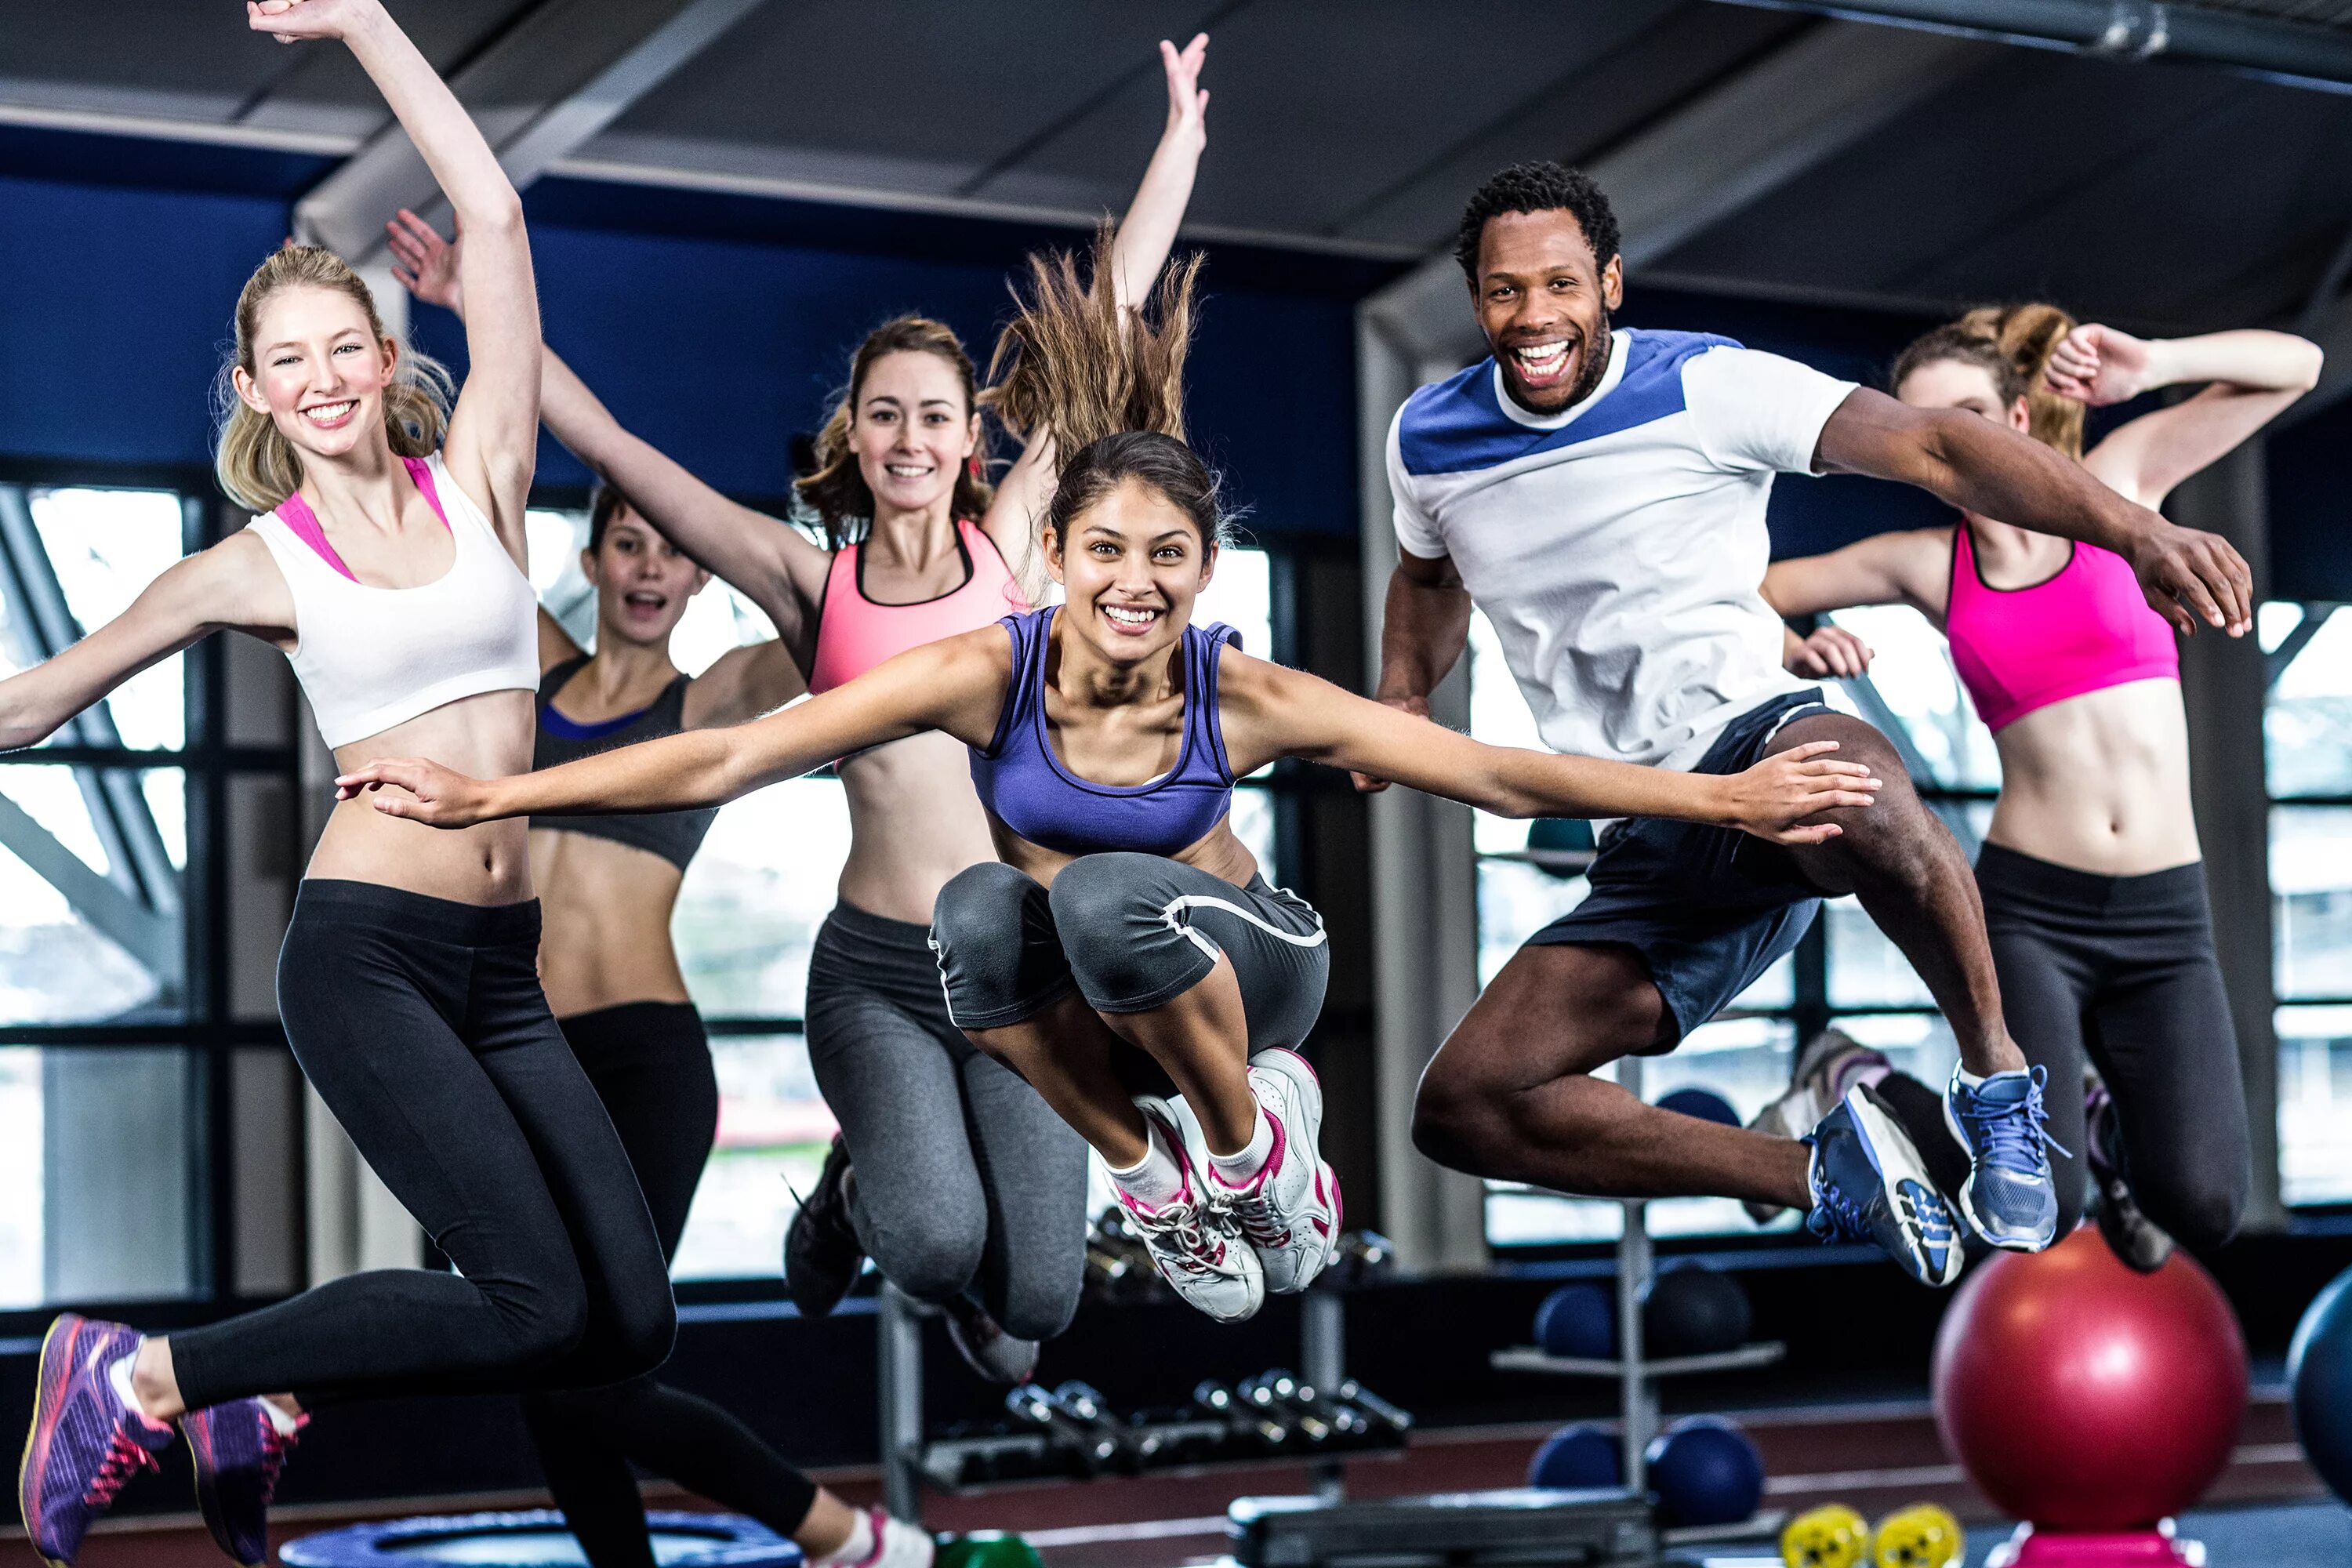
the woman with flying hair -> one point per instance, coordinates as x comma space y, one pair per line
1127, 957
385, 561
949, 1172
2093, 889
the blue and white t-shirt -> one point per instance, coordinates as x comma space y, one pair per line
1618, 545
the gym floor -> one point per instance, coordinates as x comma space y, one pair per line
2268, 1512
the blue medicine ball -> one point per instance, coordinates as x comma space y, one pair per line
1704, 1471
1702, 1103
1578, 1322
2319, 1368
1578, 1459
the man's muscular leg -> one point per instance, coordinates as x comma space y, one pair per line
1910, 875
1511, 1094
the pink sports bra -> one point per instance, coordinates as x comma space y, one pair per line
853, 633
2085, 629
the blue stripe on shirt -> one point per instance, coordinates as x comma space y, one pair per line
1456, 426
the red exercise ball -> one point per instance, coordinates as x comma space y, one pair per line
2080, 1395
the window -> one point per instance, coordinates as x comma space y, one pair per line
116, 1036
1844, 972
748, 911
2308, 752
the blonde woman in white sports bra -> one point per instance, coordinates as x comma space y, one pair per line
387, 567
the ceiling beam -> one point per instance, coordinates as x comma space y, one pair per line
1718, 153
548, 85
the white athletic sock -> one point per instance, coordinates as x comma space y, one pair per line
1156, 1178
1238, 1170
1972, 1081
856, 1549
119, 1375
286, 1426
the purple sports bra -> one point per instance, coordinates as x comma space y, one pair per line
1025, 785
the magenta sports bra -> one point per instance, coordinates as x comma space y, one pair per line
2085, 629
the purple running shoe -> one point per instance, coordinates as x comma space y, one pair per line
85, 1442
239, 1451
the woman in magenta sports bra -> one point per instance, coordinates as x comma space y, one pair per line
1127, 957
383, 560
968, 1192
2092, 886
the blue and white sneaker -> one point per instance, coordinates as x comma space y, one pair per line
1869, 1185
2009, 1198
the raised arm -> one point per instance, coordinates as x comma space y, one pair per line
233, 586
1910, 566
772, 564
956, 685
1145, 236
1270, 711
745, 683
2251, 378
1974, 464
493, 442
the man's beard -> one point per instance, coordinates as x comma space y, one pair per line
1590, 367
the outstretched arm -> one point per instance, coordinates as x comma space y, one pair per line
493, 442
767, 559
1976, 465
954, 685
1146, 234
2252, 377
1271, 712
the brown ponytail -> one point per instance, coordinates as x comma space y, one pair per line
1075, 361
836, 490
2012, 343
256, 464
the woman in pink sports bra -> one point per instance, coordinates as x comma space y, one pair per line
968, 1191
384, 560
2093, 885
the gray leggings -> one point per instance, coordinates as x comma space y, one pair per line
966, 1181
1131, 933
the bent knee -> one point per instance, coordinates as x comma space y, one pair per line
2201, 1215
930, 1258
1454, 1124
646, 1333
1039, 1308
982, 902
1106, 909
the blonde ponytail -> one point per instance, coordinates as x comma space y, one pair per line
2013, 343
256, 465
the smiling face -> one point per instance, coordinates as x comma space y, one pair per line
643, 581
319, 370
913, 429
1132, 565
1956, 384
1544, 302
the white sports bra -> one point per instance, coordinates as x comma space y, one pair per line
369, 658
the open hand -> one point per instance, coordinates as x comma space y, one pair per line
291, 20
1830, 653
420, 791
1771, 798
423, 263
1419, 708
1188, 101
2099, 366
2191, 575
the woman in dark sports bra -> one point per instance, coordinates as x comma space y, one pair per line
607, 888
1127, 957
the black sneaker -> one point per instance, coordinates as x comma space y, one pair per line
986, 1348
2139, 1240
821, 1253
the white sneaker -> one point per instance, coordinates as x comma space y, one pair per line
897, 1544
1195, 1247
1289, 1212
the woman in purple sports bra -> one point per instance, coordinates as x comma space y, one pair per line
1127, 958
917, 546
2093, 884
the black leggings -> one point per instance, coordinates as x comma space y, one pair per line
651, 1064
2122, 969
421, 1023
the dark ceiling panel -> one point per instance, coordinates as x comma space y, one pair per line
926, 92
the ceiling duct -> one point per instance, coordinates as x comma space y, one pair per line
2243, 36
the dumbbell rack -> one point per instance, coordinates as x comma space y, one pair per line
1636, 1375
899, 1336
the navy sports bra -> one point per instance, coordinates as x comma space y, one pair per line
674, 835
1025, 785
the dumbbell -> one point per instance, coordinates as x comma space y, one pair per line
1089, 1449
1276, 1392
1398, 1422
1084, 1403
1252, 1425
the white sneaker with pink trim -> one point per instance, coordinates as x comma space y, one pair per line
1198, 1251
1290, 1211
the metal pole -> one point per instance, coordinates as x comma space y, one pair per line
899, 1345
1323, 1361
1632, 1273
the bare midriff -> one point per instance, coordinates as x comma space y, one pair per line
604, 922
486, 736
914, 823
2100, 781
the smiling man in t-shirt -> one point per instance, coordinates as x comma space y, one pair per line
1599, 495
